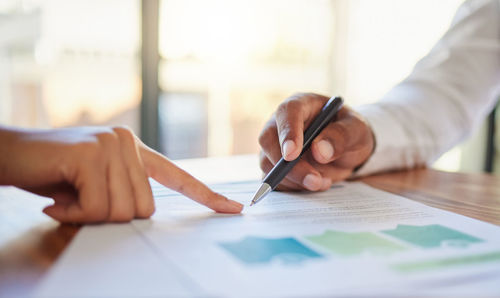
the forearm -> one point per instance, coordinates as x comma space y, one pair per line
415, 131
27, 158
8, 140
444, 99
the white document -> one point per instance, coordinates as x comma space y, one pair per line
112, 260
349, 240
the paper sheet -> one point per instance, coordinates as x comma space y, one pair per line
350, 240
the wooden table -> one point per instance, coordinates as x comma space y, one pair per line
39, 241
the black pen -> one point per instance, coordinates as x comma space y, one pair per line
281, 169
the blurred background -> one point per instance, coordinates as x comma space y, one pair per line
213, 70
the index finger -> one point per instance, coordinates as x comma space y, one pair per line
165, 172
291, 118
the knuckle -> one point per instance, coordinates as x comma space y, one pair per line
282, 108
207, 199
266, 136
97, 214
109, 139
291, 105
90, 152
317, 97
122, 128
342, 132
124, 132
123, 216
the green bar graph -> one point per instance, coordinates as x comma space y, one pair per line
431, 236
349, 244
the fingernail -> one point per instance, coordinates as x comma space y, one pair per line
288, 147
312, 182
225, 205
325, 149
235, 206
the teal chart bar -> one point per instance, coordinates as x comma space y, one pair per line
256, 250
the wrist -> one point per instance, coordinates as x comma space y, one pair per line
372, 144
9, 140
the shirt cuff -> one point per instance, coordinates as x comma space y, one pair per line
389, 141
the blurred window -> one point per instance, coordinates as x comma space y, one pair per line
225, 65
242, 58
66, 63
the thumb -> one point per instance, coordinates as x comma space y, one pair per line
65, 212
348, 140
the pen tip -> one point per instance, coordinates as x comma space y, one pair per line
261, 192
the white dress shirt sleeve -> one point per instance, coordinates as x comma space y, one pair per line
444, 99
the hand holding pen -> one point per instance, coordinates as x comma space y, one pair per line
341, 146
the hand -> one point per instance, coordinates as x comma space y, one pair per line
95, 174
342, 146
